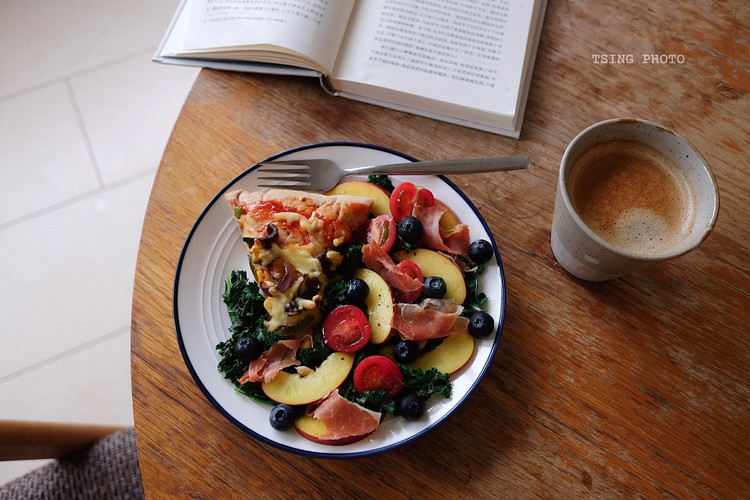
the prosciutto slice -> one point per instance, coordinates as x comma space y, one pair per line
281, 355
432, 319
344, 418
455, 242
378, 260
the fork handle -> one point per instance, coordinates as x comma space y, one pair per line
461, 166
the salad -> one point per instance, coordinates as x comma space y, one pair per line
402, 318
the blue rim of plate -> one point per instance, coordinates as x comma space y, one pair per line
314, 454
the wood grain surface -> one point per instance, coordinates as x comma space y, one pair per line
637, 387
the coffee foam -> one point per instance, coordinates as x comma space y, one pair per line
632, 196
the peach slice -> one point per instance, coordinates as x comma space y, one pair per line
435, 264
379, 196
311, 428
450, 356
448, 221
453, 353
379, 305
298, 389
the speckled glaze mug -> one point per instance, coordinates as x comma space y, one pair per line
630, 194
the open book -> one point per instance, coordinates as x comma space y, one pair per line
462, 61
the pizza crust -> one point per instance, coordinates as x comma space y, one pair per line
289, 196
332, 207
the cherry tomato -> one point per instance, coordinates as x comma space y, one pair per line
346, 329
406, 196
378, 373
413, 270
382, 231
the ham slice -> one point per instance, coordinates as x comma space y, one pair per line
432, 319
455, 242
264, 369
378, 260
343, 418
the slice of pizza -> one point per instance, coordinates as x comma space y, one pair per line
293, 240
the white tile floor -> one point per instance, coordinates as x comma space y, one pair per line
84, 118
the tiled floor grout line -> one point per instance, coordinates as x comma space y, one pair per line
66, 80
84, 133
75, 199
75, 74
67, 353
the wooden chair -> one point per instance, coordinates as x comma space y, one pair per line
21, 440
90, 461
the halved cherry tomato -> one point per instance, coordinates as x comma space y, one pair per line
378, 373
382, 232
346, 329
413, 270
406, 196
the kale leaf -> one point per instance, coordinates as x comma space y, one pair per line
372, 400
314, 356
352, 259
254, 391
426, 382
335, 291
423, 382
475, 299
402, 244
381, 180
245, 307
335, 294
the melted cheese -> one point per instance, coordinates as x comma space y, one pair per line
278, 305
311, 225
302, 261
287, 310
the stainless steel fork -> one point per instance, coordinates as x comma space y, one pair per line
322, 174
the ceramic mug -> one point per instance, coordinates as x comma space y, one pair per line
630, 194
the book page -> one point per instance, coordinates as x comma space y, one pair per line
312, 28
467, 52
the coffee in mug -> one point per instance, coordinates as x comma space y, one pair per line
632, 196
630, 193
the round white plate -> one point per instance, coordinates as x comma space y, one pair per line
214, 248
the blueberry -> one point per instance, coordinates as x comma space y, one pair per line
282, 417
247, 349
410, 229
434, 287
410, 405
481, 324
356, 291
480, 251
406, 351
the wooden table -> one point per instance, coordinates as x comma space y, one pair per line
635, 387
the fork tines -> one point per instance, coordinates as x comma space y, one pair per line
284, 175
